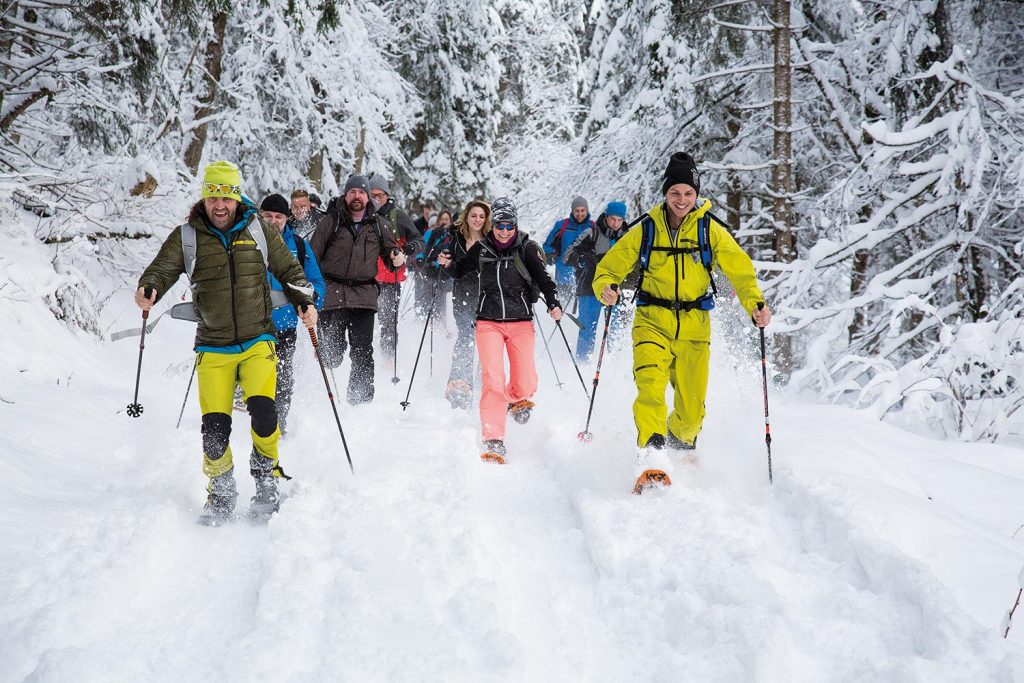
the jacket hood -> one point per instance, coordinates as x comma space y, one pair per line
602, 225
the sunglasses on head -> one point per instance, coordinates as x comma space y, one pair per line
213, 188
504, 226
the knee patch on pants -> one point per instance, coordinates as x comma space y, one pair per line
216, 434
263, 412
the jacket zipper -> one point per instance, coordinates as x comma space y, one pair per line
231, 272
675, 259
501, 292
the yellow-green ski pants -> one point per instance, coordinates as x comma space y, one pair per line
255, 370
658, 360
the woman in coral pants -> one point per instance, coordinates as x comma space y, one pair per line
510, 267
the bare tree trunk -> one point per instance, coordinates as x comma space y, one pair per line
213, 64
315, 170
858, 283
315, 165
734, 194
360, 149
782, 149
782, 145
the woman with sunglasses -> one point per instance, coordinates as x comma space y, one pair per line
510, 266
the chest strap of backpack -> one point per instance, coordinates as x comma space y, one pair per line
703, 248
189, 248
487, 256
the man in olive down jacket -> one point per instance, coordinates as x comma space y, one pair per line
235, 339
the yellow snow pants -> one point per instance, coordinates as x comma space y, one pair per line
255, 371
658, 360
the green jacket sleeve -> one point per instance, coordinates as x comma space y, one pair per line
285, 267
166, 267
613, 268
737, 266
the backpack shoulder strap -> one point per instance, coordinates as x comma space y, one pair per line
300, 247
704, 240
704, 245
517, 258
188, 248
557, 243
563, 228
646, 241
256, 230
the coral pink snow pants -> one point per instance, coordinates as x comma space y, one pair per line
492, 340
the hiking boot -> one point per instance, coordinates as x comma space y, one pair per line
677, 444
520, 410
656, 441
494, 451
240, 404
267, 500
220, 500
459, 394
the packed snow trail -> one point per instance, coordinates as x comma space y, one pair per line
430, 565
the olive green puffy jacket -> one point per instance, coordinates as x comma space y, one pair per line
229, 281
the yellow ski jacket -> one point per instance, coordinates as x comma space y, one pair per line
678, 277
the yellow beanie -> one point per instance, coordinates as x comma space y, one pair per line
222, 179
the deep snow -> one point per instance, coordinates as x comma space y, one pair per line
877, 555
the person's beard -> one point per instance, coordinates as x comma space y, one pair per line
356, 205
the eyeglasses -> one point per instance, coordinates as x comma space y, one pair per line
212, 188
505, 226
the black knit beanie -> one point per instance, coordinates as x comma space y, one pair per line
681, 169
275, 203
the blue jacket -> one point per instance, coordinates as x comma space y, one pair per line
285, 317
565, 273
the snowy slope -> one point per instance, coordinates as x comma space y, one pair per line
877, 555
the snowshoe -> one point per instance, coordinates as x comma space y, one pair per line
653, 466
220, 501
520, 410
494, 451
459, 394
651, 479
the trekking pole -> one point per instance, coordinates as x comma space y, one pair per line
398, 306
187, 390
572, 357
431, 348
430, 314
586, 436
764, 378
330, 394
536, 319
135, 408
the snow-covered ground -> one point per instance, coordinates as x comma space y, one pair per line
877, 555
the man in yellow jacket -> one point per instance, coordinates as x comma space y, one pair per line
672, 330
